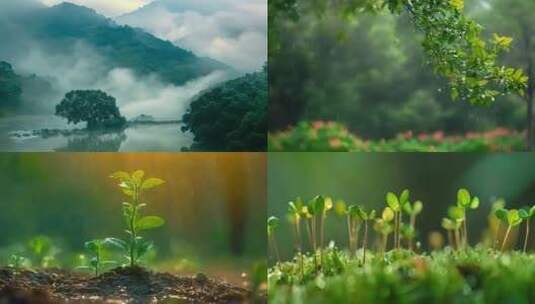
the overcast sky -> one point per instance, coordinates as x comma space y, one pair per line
109, 8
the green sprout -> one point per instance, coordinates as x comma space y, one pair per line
384, 227
272, 224
18, 261
353, 227
43, 251
97, 248
295, 212
526, 214
511, 218
365, 217
316, 209
133, 186
412, 210
452, 227
397, 205
465, 201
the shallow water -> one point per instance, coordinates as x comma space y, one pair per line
163, 137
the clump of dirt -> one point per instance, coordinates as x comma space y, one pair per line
121, 285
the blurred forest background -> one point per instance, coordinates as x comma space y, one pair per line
365, 178
369, 72
211, 202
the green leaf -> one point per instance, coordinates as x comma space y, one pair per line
456, 212
501, 214
513, 217
523, 213
417, 207
118, 243
151, 183
475, 203
121, 175
404, 197
463, 198
137, 176
92, 246
143, 247
149, 222
388, 214
392, 201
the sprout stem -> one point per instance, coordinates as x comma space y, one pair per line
465, 231
527, 235
506, 236
365, 242
497, 236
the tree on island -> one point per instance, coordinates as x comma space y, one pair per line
95, 107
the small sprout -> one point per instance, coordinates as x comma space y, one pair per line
97, 248
412, 210
365, 216
465, 201
18, 261
397, 204
511, 218
526, 214
384, 227
295, 212
272, 224
43, 251
353, 227
452, 226
133, 185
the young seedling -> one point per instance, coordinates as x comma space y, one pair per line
452, 227
353, 227
465, 201
295, 211
495, 222
97, 262
384, 227
412, 210
43, 251
511, 218
272, 224
397, 204
526, 214
133, 186
316, 208
365, 217
18, 261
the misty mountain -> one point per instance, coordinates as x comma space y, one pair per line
10, 86
61, 30
231, 31
17, 90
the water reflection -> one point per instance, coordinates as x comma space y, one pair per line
95, 142
16, 137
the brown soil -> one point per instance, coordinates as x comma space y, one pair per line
121, 285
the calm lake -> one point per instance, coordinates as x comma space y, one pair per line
141, 137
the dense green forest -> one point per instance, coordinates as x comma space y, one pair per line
371, 73
231, 116
10, 86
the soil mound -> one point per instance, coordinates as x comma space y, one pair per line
121, 285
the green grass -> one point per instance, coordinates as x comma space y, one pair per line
476, 275
399, 272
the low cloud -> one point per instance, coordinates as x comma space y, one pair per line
231, 31
84, 68
109, 8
